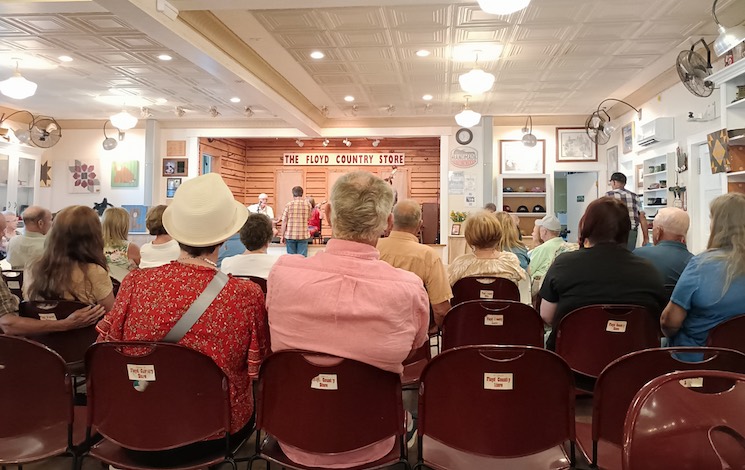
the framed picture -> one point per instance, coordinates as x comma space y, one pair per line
611, 156
175, 167
176, 148
455, 229
574, 145
125, 174
517, 158
627, 132
172, 185
639, 172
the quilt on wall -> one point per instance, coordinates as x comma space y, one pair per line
83, 176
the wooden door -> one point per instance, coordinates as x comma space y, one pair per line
284, 181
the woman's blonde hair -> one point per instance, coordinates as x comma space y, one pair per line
483, 230
510, 232
728, 234
115, 225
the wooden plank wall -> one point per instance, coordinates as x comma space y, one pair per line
228, 159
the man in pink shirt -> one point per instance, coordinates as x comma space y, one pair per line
369, 311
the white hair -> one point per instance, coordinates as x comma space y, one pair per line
360, 205
407, 214
673, 220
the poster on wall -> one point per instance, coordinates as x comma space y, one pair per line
172, 185
83, 176
45, 175
719, 151
137, 215
627, 132
574, 145
456, 182
611, 160
517, 158
125, 174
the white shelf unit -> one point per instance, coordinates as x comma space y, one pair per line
728, 80
521, 195
656, 182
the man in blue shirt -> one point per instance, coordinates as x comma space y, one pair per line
669, 253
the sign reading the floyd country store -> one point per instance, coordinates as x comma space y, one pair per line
344, 159
464, 157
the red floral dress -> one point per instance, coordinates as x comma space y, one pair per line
232, 331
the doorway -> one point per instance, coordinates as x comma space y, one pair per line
573, 192
206, 164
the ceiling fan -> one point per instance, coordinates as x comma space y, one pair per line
694, 70
45, 132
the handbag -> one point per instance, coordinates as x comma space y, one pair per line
197, 308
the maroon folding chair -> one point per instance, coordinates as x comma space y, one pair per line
492, 322
36, 404
326, 405
152, 396
591, 337
728, 334
14, 279
414, 365
484, 287
673, 423
622, 379
496, 407
258, 280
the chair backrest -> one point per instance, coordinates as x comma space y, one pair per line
258, 280
669, 288
484, 287
136, 389
498, 401
325, 404
115, 285
492, 322
36, 392
672, 424
728, 334
624, 377
14, 279
71, 344
589, 338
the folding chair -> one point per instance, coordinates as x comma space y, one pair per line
492, 322
484, 287
728, 334
327, 405
258, 280
674, 423
496, 407
150, 396
622, 379
36, 404
14, 279
414, 365
115, 284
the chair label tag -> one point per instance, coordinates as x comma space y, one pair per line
493, 381
47, 316
494, 320
693, 382
616, 326
141, 372
486, 294
14, 285
324, 382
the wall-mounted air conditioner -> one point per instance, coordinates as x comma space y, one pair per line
659, 130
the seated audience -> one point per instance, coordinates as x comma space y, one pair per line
511, 239
163, 249
73, 266
29, 246
535, 237
370, 311
401, 249
549, 229
712, 286
121, 255
490, 207
669, 253
602, 271
256, 235
11, 229
314, 222
231, 330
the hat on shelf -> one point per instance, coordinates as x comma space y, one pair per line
539, 208
523, 209
549, 222
509, 189
506, 208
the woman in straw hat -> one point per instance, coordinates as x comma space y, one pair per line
232, 330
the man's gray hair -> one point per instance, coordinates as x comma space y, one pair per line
407, 214
673, 220
360, 205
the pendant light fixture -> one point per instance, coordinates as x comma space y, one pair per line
17, 87
529, 139
467, 117
502, 7
476, 81
123, 120
728, 38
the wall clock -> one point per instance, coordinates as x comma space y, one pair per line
464, 136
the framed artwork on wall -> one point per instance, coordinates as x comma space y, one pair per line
176, 148
125, 174
639, 172
175, 167
517, 158
611, 155
172, 185
627, 132
574, 145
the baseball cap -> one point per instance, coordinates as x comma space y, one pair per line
523, 209
620, 177
549, 222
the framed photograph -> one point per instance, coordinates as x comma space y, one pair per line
611, 156
627, 132
455, 229
574, 145
517, 158
639, 172
172, 185
175, 167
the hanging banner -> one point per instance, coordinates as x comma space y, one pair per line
344, 159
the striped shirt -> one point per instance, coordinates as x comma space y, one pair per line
295, 216
632, 203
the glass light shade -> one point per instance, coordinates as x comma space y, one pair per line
17, 87
123, 121
476, 81
529, 140
728, 39
467, 118
23, 135
608, 129
109, 143
502, 7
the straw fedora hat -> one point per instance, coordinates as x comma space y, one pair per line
204, 212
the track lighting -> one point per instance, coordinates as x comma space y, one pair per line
347, 142
248, 111
324, 111
180, 111
529, 139
390, 109
428, 108
355, 108
467, 117
376, 142
299, 142
213, 111
145, 113
325, 142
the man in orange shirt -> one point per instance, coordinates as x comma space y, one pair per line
295, 217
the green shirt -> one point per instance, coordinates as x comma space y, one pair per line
542, 256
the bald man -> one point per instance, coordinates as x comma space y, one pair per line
669, 253
401, 249
30, 246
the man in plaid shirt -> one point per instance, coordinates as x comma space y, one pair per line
636, 215
295, 217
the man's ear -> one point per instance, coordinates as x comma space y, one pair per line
390, 222
327, 213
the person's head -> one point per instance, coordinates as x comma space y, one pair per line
3, 224
606, 220
203, 214
256, 233
359, 208
407, 216
482, 230
491, 207
115, 225
263, 198
37, 219
312, 202
728, 234
510, 231
154, 220
536, 234
297, 191
11, 220
670, 223
549, 227
617, 180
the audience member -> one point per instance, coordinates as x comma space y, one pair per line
631, 201
370, 311
232, 247
669, 253
511, 240
602, 271
121, 255
314, 222
490, 207
401, 249
516, 220
256, 235
30, 246
543, 255
163, 249
712, 286
11, 229
262, 207
294, 231
536, 236
73, 266
231, 330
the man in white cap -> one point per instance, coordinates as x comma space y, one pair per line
541, 257
262, 207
